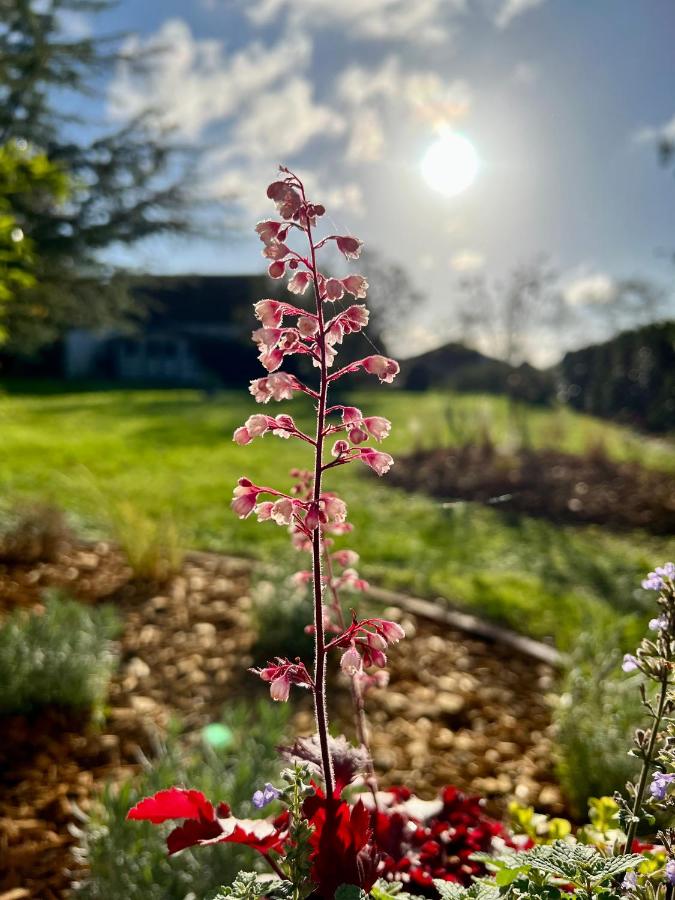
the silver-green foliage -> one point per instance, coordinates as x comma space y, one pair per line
62, 656
129, 861
597, 713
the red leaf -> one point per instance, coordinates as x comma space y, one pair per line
192, 833
174, 803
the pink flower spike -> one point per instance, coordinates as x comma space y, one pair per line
269, 312
298, 283
279, 386
335, 508
282, 511
267, 337
334, 289
307, 327
357, 435
264, 510
390, 631
345, 558
245, 497
350, 246
272, 359
283, 426
351, 661
257, 424
268, 230
287, 199
281, 674
340, 448
356, 285
280, 688
351, 414
379, 462
242, 436
386, 369
275, 250
313, 517
378, 426
276, 269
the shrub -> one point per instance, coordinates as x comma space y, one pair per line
131, 863
33, 532
281, 611
595, 718
62, 655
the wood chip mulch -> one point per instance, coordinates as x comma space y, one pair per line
458, 710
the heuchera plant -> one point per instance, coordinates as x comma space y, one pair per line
321, 841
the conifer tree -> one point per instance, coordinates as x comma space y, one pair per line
125, 184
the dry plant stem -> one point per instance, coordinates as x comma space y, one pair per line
319, 636
646, 764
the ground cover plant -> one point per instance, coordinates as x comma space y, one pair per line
164, 453
332, 833
132, 864
62, 655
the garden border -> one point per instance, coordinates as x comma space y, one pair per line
441, 612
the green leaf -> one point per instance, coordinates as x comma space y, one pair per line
350, 892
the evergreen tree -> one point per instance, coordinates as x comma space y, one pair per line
125, 184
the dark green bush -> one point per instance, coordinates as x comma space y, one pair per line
61, 656
128, 860
281, 611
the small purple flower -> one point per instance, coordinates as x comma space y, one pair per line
268, 793
659, 786
666, 571
659, 623
653, 582
629, 882
630, 663
670, 871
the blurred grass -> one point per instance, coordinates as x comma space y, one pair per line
170, 453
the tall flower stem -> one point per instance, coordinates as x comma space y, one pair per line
647, 763
360, 720
319, 635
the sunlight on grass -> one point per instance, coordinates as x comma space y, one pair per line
171, 451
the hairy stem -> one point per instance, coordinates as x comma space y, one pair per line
319, 635
647, 764
360, 720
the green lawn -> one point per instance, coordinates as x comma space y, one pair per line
170, 454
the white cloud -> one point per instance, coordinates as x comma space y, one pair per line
191, 83
74, 25
467, 261
281, 123
511, 9
665, 132
525, 74
592, 289
422, 92
421, 21
367, 140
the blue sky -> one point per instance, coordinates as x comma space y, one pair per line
563, 100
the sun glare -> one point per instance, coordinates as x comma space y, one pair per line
451, 164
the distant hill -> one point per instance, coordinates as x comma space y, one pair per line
630, 378
459, 368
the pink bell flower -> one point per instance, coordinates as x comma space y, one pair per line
378, 461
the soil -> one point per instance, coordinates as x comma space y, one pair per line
560, 487
458, 710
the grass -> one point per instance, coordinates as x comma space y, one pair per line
170, 454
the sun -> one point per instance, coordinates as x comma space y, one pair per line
451, 164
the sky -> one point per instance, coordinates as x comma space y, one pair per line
563, 101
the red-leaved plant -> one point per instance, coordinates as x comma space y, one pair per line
322, 840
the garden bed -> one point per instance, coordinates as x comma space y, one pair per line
458, 710
547, 483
